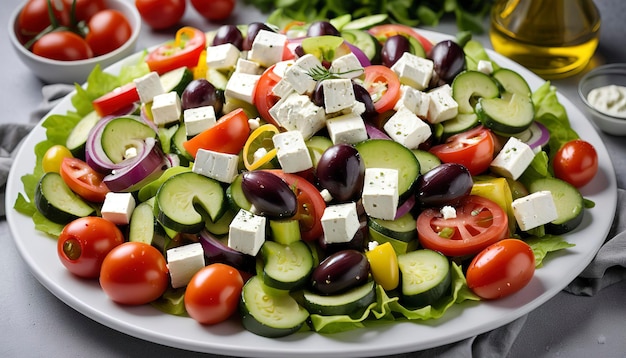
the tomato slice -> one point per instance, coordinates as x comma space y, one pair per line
228, 135
387, 30
383, 85
83, 180
479, 223
183, 51
115, 101
263, 97
473, 148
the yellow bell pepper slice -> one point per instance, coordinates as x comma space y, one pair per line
267, 156
498, 191
384, 265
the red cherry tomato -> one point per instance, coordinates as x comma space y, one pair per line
473, 148
134, 273
384, 97
228, 135
108, 30
62, 46
34, 18
85, 9
83, 180
479, 223
264, 99
213, 293
214, 10
185, 50
576, 162
501, 269
84, 243
161, 14
116, 100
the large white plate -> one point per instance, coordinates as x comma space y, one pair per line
461, 322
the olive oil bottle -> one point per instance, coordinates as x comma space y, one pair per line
553, 38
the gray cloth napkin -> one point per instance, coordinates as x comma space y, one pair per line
607, 268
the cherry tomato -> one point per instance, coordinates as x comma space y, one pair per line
473, 148
84, 243
108, 30
213, 293
227, 135
51, 161
214, 10
116, 100
383, 85
34, 18
263, 98
576, 162
501, 269
62, 46
83, 180
85, 9
161, 14
387, 30
134, 273
479, 222
185, 50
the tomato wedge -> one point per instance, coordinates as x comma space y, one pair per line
115, 101
228, 135
388, 30
383, 85
83, 180
479, 223
263, 97
183, 51
473, 149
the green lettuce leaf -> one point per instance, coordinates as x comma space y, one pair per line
546, 244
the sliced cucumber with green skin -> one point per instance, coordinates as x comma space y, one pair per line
123, 133
221, 226
57, 202
176, 80
144, 227
568, 201
285, 231
77, 138
461, 123
287, 267
470, 85
402, 228
426, 159
316, 146
270, 313
399, 246
425, 277
382, 153
365, 22
183, 198
179, 137
365, 41
236, 198
352, 302
511, 114
511, 81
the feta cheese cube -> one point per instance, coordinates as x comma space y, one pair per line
292, 152
348, 128
298, 113
441, 106
448, 212
282, 66
513, 159
118, 207
183, 262
149, 86
247, 66
338, 94
219, 166
198, 119
299, 79
282, 88
485, 67
246, 232
414, 100
166, 108
267, 48
340, 222
407, 129
534, 209
308, 62
241, 86
347, 66
413, 70
380, 193
222, 57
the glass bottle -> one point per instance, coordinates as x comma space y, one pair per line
553, 38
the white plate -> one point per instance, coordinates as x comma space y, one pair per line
460, 322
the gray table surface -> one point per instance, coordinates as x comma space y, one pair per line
34, 323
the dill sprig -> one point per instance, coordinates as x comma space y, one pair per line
320, 73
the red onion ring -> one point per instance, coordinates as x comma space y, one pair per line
137, 171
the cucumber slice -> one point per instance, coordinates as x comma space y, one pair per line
144, 227
382, 153
509, 115
365, 41
461, 123
512, 82
426, 159
285, 231
236, 198
287, 267
176, 80
123, 133
182, 197
179, 137
425, 277
470, 85
270, 313
568, 201
402, 228
221, 226
57, 202
366, 22
352, 302
316, 146
77, 138
399, 246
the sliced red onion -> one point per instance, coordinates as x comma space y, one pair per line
375, 133
406, 206
148, 164
172, 160
360, 55
539, 136
217, 251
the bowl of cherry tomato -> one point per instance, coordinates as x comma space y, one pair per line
61, 41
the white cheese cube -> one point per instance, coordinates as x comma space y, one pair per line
347, 66
416, 101
215, 165
292, 152
340, 222
407, 129
448, 212
166, 108
299, 79
222, 57
149, 86
533, 210
283, 88
485, 67
118, 207
267, 48
348, 128
298, 113
198, 119
513, 159
282, 66
380, 193
445, 89
441, 107
241, 86
246, 232
308, 62
247, 66
413, 70
183, 262
338, 94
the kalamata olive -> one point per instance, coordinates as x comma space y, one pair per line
199, 93
445, 184
362, 95
228, 34
340, 272
448, 60
393, 48
317, 97
341, 171
253, 30
322, 28
269, 194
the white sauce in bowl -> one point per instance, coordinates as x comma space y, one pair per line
610, 100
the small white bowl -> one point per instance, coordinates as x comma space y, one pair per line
613, 74
54, 71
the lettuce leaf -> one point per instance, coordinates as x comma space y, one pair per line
546, 244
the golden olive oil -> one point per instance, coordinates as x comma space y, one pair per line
553, 38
